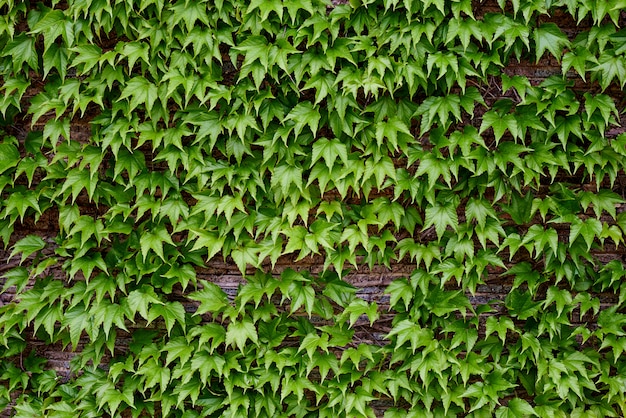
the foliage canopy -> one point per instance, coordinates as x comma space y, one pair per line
374, 133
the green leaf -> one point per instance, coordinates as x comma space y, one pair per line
286, 175
239, 332
312, 342
141, 92
435, 168
301, 295
9, 156
500, 124
27, 246
140, 300
602, 103
408, 331
266, 7
479, 210
208, 364
171, 312
578, 59
521, 305
304, 114
17, 277
441, 216
154, 240
516, 408
549, 36
88, 55
589, 229
441, 107
329, 150
608, 68
520, 208
21, 49
499, 326
178, 349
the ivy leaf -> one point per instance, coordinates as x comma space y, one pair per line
516, 408
302, 115
520, 83
500, 124
608, 68
207, 363
441, 216
329, 150
17, 277
408, 331
479, 210
238, 332
445, 61
53, 24
549, 36
87, 54
440, 107
312, 342
153, 240
301, 295
602, 103
520, 208
578, 60
141, 92
27, 246
400, 289
435, 168
171, 312
499, 326
178, 348
589, 229
284, 176
21, 49
212, 298
389, 130
266, 7
140, 300
521, 305
9, 156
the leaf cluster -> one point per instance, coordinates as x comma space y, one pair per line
299, 141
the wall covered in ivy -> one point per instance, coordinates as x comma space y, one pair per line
229, 208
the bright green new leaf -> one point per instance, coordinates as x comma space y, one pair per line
239, 332
141, 92
441, 216
329, 150
589, 229
549, 36
27, 246
154, 240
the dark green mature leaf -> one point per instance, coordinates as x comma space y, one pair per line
21, 49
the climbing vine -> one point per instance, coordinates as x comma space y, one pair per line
159, 137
